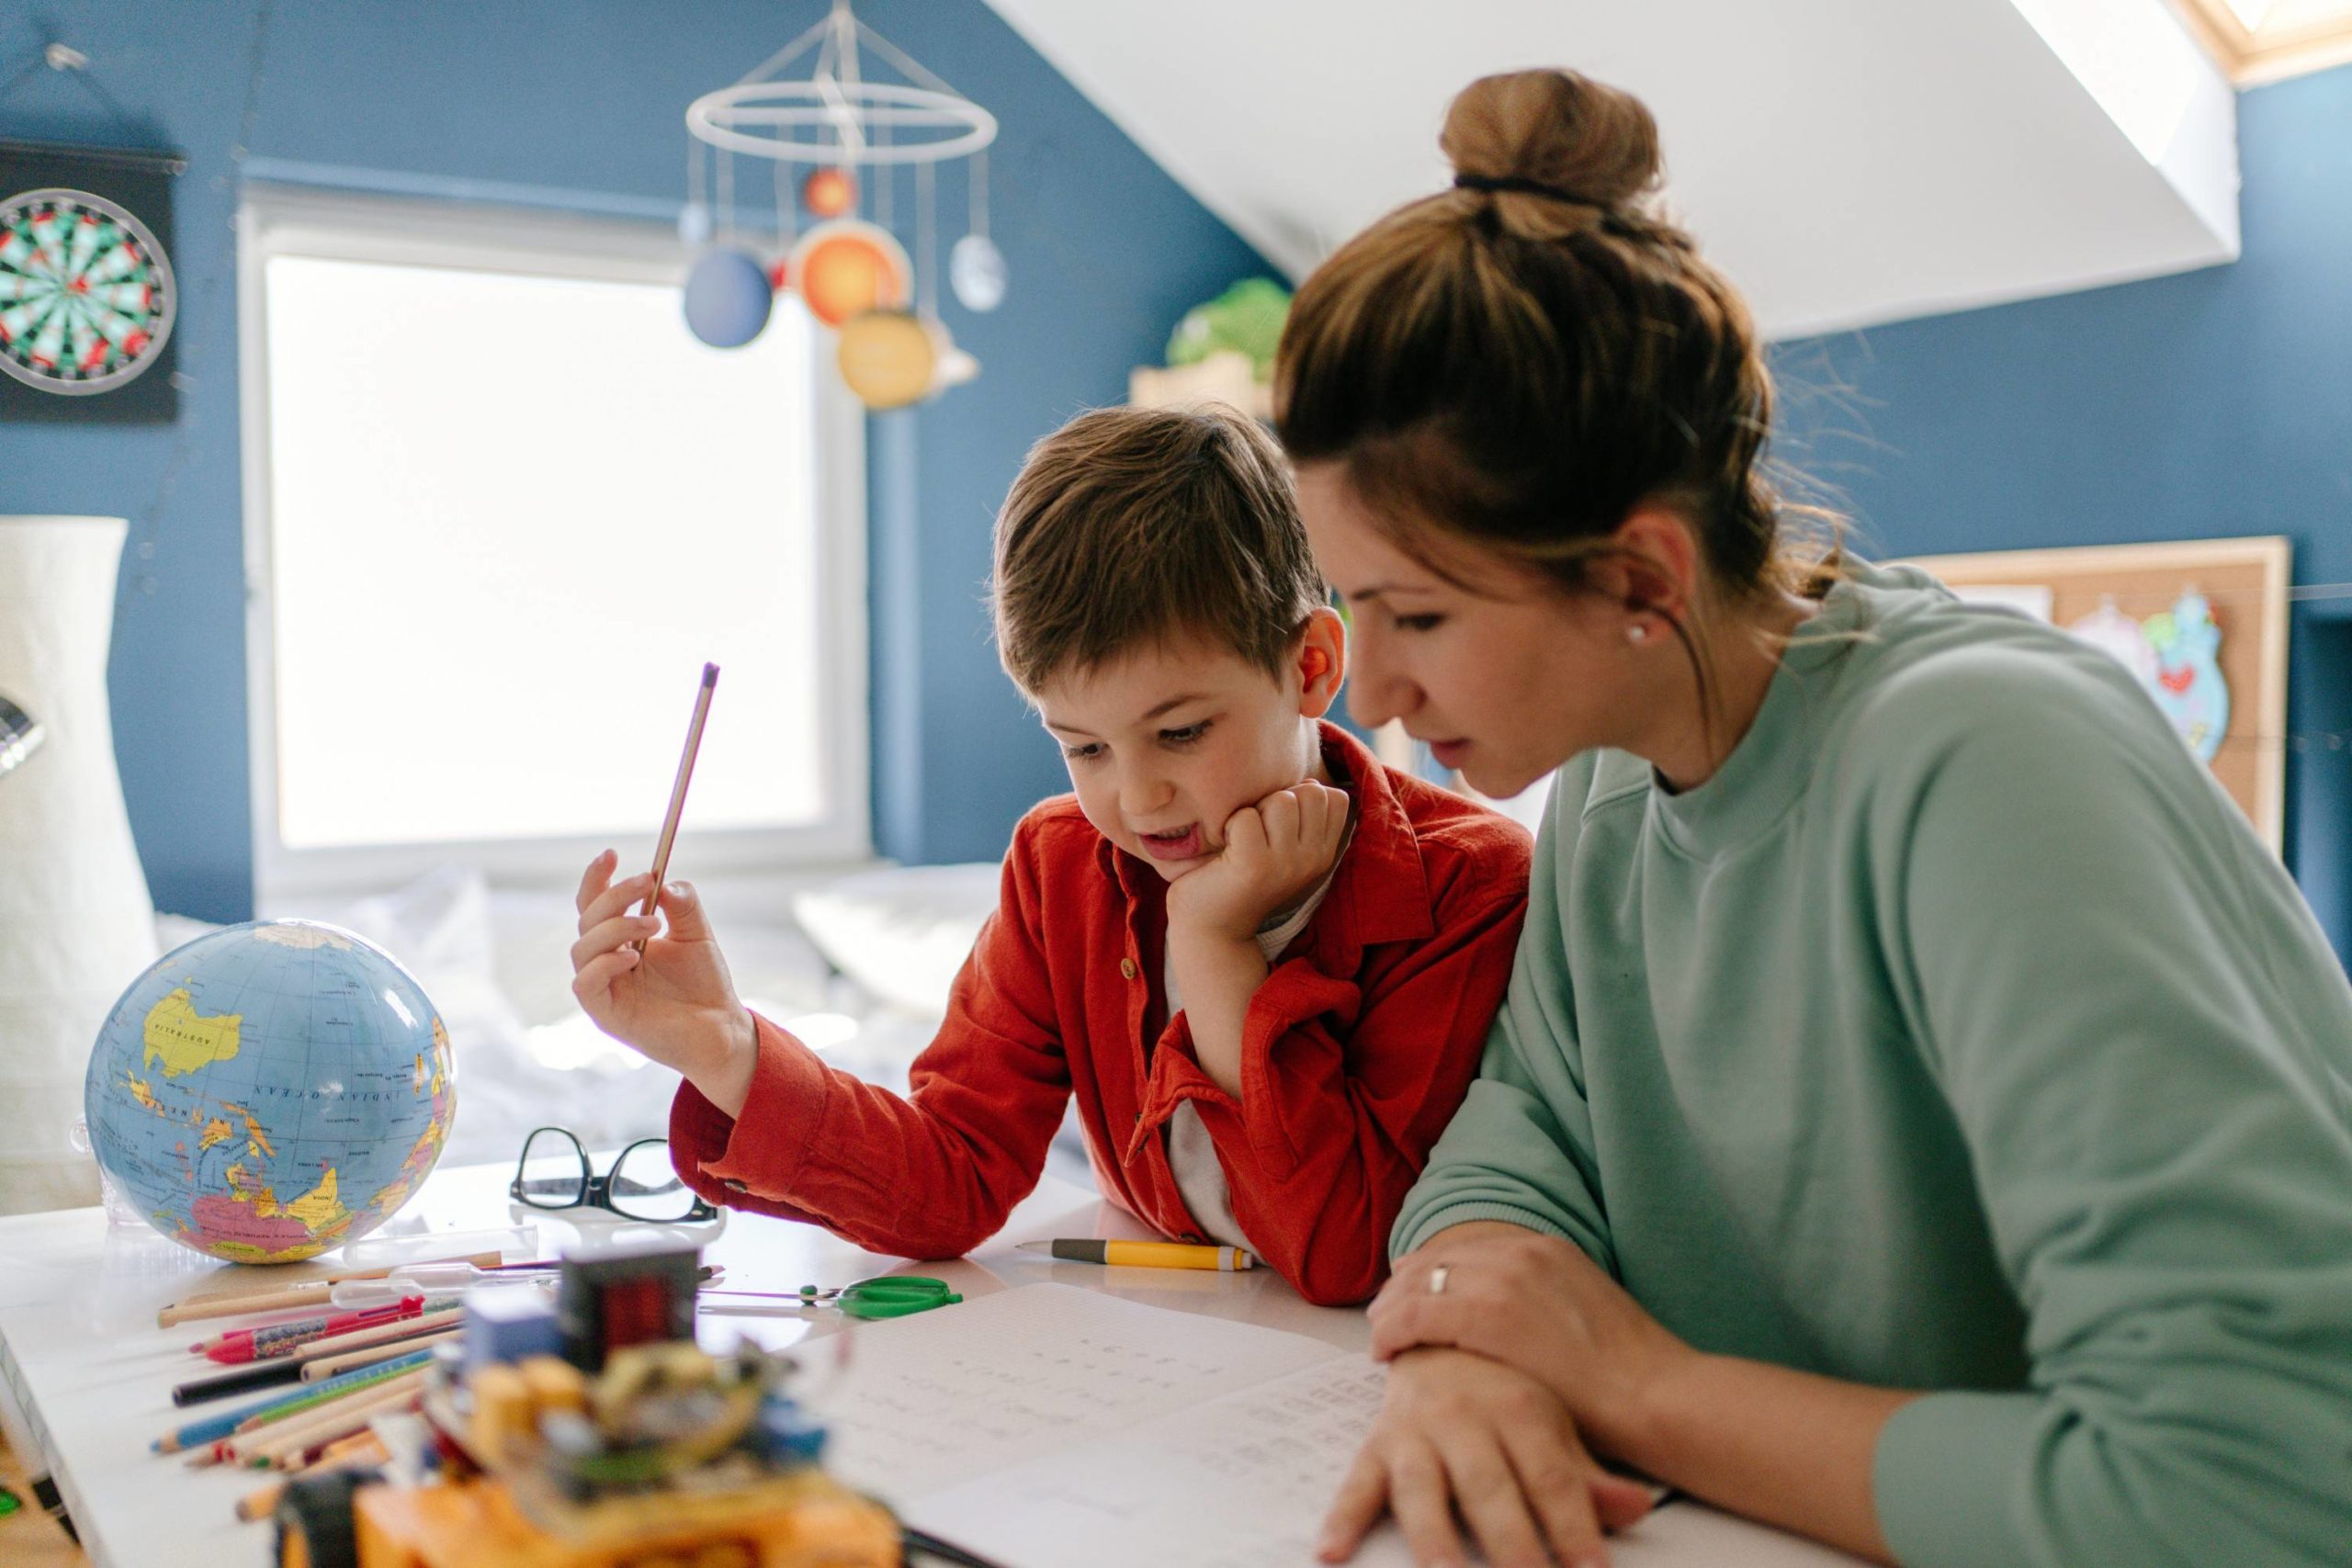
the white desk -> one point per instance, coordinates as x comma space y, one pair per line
86, 1365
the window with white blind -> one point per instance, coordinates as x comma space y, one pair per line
501, 508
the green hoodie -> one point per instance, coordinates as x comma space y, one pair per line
1958, 1035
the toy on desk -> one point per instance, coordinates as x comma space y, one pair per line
610, 1302
592, 1434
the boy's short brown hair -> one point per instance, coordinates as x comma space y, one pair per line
1131, 526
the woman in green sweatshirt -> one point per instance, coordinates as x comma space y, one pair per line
1922, 1114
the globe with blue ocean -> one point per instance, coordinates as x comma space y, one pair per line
270, 1091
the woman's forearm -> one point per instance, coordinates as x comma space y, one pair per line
1792, 1449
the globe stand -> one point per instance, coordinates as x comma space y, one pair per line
121, 1214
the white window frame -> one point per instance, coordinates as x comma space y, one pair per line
278, 221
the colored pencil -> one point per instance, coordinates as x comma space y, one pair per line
318, 1393
213, 1428
243, 1447
356, 1452
323, 1367
678, 786
242, 1345
340, 1418
431, 1320
385, 1339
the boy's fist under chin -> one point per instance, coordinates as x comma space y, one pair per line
1274, 853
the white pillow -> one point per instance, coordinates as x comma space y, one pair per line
903, 932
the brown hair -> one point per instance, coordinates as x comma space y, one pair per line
1524, 360
1131, 525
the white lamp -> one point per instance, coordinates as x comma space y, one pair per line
75, 922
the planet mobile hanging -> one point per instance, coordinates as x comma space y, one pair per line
837, 119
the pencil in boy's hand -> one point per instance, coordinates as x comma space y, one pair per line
678, 788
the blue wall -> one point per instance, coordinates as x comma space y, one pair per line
581, 102
2212, 404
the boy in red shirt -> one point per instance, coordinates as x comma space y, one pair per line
1263, 961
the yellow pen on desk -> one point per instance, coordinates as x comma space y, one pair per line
1146, 1254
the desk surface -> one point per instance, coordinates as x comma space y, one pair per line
87, 1367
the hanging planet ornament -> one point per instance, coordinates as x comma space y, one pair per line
954, 366
888, 358
846, 268
975, 271
728, 298
829, 193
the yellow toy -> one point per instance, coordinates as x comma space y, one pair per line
669, 1457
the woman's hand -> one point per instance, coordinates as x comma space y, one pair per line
1537, 1303
668, 995
1458, 1431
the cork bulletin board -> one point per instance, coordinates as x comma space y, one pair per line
2242, 586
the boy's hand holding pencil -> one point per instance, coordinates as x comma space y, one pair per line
668, 995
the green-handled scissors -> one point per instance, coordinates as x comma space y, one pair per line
886, 1295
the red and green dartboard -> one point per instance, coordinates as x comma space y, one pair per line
87, 297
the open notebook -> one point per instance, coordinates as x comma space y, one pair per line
1051, 1426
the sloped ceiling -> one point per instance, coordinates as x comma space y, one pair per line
1849, 161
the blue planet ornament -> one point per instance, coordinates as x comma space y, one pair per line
727, 298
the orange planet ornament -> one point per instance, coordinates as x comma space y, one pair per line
847, 269
829, 193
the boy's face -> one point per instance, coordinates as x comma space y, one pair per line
1168, 741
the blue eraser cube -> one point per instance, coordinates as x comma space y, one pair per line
508, 1323
787, 1433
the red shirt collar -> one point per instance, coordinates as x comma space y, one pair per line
1380, 893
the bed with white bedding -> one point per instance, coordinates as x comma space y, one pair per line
861, 969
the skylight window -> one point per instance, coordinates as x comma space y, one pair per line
2263, 41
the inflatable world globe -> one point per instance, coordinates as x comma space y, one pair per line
270, 1091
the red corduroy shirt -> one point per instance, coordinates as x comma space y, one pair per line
1356, 1051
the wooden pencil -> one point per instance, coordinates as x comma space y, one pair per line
272, 1445
387, 1338
384, 1333
358, 1452
287, 1298
392, 1390
361, 1445
329, 1366
322, 1394
325, 1448
218, 1429
678, 786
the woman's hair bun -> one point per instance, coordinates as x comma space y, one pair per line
1557, 128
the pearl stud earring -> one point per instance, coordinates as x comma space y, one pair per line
1637, 633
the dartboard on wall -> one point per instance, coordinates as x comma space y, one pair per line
88, 298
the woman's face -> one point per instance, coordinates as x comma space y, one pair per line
1504, 685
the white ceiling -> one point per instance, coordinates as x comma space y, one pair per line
1847, 162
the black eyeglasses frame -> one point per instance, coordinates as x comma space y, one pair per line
596, 1191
